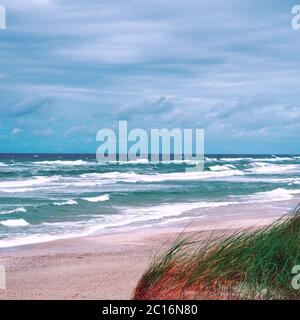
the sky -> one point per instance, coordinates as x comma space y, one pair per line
69, 68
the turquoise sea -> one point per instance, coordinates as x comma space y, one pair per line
47, 197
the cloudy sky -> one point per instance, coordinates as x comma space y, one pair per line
71, 67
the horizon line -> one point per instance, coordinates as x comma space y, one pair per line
91, 153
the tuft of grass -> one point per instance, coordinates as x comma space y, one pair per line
251, 264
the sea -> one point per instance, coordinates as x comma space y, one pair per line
45, 197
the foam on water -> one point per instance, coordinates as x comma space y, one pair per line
222, 168
34, 239
17, 190
231, 159
67, 197
176, 176
14, 223
168, 210
265, 168
65, 203
17, 210
64, 163
127, 218
39, 180
102, 198
279, 194
146, 161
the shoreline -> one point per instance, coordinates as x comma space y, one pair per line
107, 266
275, 208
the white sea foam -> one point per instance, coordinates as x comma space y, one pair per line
133, 177
17, 190
64, 163
102, 198
284, 158
14, 223
258, 170
250, 159
222, 168
186, 161
266, 168
274, 159
130, 216
279, 194
17, 210
38, 180
232, 159
65, 203
146, 161
256, 179
127, 217
136, 161
211, 159
167, 210
34, 239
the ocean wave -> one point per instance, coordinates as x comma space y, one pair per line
17, 210
168, 210
65, 163
251, 159
130, 216
34, 239
232, 159
222, 168
65, 203
284, 158
17, 190
38, 180
133, 177
266, 168
136, 161
256, 179
279, 194
186, 161
14, 223
146, 161
273, 159
211, 159
127, 218
102, 198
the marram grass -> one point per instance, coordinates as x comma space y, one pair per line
252, 264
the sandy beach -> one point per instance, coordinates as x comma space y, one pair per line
125, 126
108, 266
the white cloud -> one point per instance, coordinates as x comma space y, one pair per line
16, 131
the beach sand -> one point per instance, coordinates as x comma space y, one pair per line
108, 266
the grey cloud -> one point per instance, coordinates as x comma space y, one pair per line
230, 69
23, 107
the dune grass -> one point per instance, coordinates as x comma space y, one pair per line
251, 264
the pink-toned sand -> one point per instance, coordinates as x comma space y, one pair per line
100, 267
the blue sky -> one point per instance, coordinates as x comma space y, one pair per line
69, 68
